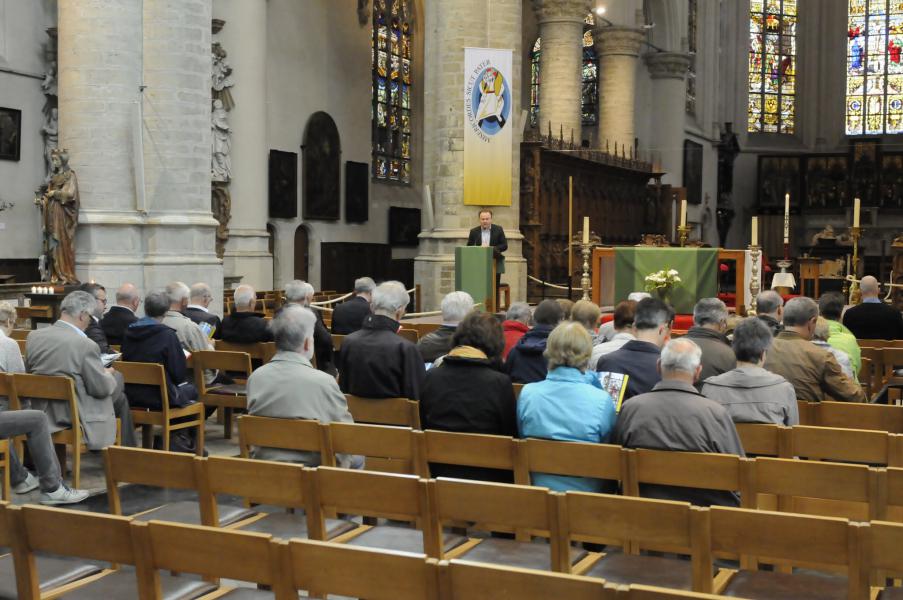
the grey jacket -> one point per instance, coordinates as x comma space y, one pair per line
61, 350
754, 395
288, 387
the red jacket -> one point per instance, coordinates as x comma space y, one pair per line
514, 331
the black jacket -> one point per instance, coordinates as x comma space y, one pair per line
874, 321
436, 343
525, 362
349, 316
378, 363
468, 395
245, 328
323, 350
95, 332
637, 359
201, 316
497, 239
717, 355
773, 324
115, 322
147, 340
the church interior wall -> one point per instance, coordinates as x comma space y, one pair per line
319, 59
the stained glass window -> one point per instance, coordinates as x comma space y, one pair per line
390, 115
772, 66
874, 68
534, 82
692, 46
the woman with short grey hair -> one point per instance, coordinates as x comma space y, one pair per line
749, 392
10, 355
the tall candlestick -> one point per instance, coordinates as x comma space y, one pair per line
755, 232
683, 212
786, 218
570, 232
585, 230
856, 212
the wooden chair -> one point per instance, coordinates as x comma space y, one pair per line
22, 344
761, 439
386, 449
876, 375
880, 343
209, 552
263, 482
603, 462
337, 340
169, 418
788, 540
466, 580
19, 334
891, 486
881, 544
844, 445
409, 334
877, 417
866, 376
4, 464
473, 452
322, 568
170, 470
640, 523
225, 397
8, 392
261, 352
807, 411
299, 435
384, 411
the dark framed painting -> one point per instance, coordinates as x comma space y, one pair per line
10, 133
693, 171
322, 152
283, 185
357, 190
404, 226
779, 175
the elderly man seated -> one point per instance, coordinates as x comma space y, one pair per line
873, 319
709, 326
199, 298
189, 333
243, 325
814, 372
94, 330
122, 314
376, 361
349, 316
749, 392
675, 416
455, 306
770, 309
302, 293
288, 387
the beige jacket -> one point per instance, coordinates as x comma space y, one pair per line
813, 371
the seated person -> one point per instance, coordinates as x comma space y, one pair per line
587, 313
830, 306
873, 319
349, 316
770, 310
455, 306
122, 314
569, 405
376, 361
708, 331
820, 337
10, 355
750, 393
199, 298
94, 330
517, 323
243, 325
526, 362
302, 293
674, 416
468, 393
288, 387
638, 359
622, 332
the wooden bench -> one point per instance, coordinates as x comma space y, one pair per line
226, 398
384, 411
298, 435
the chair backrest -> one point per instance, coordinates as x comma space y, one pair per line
409, 334
892, 487
878, 417
880, 343
19, 334
262, 351
8, 390
576, 459
883, 547
807, 411
387, 449
468, 580
57, 388
22, 346
6, 534
723, 472
467, 449
322, 568
286, 434
258, 481
337, 340
224, 360
867, 375
384, 411
761, 439
140, 373
848, 445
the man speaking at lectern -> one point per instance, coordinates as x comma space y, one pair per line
488, 234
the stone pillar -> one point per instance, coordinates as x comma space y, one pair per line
668, 71
561, 30
450, 26
244, 38
618, 49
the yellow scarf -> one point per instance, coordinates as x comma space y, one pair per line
468, 352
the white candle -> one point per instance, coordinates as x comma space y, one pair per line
755, 232
786, 218
34, 289
683, 212
856, 212
586, 230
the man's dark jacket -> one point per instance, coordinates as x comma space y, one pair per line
378, 363
717, 355
525, 362
436, 343
323, 348
349, 315
201, 316
246, 328
497, 239
150, 341
115, 322
773, 324
95, 332
874, 321
639, 360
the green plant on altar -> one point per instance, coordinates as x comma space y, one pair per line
662, 282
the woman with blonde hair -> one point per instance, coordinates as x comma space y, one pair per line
569, 405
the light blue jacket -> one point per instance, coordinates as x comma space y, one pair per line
568, 406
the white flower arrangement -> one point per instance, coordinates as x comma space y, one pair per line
662, 280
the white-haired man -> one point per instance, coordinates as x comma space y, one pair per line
189, 333
122, 314
455, 306
244, 325
675, 416
288, 387
873, 320
199, 298
301, 293
377, 362
349, 316
708, 331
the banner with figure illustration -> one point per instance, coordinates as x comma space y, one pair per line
488, 126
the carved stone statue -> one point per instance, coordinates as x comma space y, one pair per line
222, 77
51, 133
221, 206
59, 207
829, 234
221, 166
49, 85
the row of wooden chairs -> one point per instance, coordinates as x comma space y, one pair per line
284, 567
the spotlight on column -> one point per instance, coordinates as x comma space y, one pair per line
600, 10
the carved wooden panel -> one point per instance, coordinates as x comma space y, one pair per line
322, 153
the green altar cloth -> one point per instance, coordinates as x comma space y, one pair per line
697, 268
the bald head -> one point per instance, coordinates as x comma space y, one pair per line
869, 287
127, 296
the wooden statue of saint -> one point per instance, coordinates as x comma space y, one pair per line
59, 219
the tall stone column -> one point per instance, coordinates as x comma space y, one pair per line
450, 26
669, 72
244, 38
618, 49
561, 30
